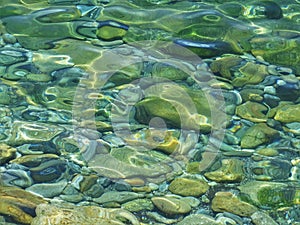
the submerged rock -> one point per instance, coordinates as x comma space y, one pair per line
260, 218
19, 204
251, 73
252, 111
270, 194
257, 135
48, 190
81, 215
188, 187
232, 170
227, 202
6, 153
171, 205
288, 114
198, 219
138, 205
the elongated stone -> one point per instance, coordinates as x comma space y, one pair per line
48, 190
19, 204
171, 205
115, 196
188, 187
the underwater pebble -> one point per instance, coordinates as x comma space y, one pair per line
48, 190
188, 187
260, 218
171, 205
227, 202
114, 196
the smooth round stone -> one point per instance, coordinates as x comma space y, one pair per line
261, 218
110, 33
198, 219
122, 186
171, 205
188, 187
231, 170
48, 190
6, 153
228, 202
288, 114
138, 205
257, 135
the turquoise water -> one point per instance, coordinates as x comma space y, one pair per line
149, 112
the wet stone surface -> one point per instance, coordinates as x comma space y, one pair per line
149, 112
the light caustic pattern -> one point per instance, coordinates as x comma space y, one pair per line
155, 167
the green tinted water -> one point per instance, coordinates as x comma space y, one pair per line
154, 112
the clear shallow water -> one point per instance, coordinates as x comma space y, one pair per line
172, 111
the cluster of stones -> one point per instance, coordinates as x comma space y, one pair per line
256, 172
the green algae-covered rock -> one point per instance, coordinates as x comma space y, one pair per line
288, 114
166, 71
270, 194
188, 187
267, 152
138, 205
255, 95
251, 73
257, 135
252, 111
228, 202
283, 51
231, 171
179, 107
224, 66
